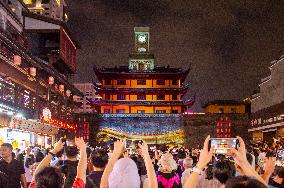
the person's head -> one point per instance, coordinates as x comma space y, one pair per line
20, 157
279, 172
224, 170
6, 150
167, 164
124, 174
60, 153
209, 172
39, 156
99, 158
187, 163
49, 177
244, 182
28, 151
28, 161
71, 151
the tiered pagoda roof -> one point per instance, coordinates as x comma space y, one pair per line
123, 72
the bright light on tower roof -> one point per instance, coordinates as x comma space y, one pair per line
19, 115
10, 113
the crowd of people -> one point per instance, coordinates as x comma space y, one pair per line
76, 165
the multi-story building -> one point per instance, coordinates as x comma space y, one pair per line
36, 100
141, 87
89, 94
267, 119
55, 9
225, 107
227, 113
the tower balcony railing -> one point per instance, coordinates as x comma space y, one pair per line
141, 115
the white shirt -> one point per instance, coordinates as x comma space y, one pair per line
185, 175
28, 173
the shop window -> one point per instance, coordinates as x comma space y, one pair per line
175, 111
121, 82
174, 97
175, 82
160, 97
107, 82
161, 82
107, 111
141, 111
120, 111
234, 110
141, 97
107, 96
120, 97
141, 82
160, 111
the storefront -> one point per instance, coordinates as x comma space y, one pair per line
23, 132
268, 123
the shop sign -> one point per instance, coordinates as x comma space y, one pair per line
58, 123
33, 126
260, 121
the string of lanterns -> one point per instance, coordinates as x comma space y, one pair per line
33, 72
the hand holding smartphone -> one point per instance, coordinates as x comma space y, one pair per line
223, 145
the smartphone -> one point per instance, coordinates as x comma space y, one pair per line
136, 142
223, 145
128, 144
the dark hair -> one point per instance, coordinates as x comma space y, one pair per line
244, 182
39, 156
20, 157
7, 145
280, 172
209, 172
224, 170
249, 158
49, 177
28, 161
89, 152
71, 151
99, 158
60, 153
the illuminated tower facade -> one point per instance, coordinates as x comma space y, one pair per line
141, 87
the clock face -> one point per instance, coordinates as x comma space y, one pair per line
142, 38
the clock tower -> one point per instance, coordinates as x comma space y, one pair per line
141, 60
142, 37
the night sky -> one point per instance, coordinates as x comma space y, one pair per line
229, 44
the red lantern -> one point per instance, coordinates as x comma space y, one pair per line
50, 80
33, 71
61, 88
68, 93
74, 97
17, 60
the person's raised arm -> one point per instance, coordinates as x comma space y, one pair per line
204, 158
117, 152
149, 166
269, 169
241, 160
45, 162
82, 165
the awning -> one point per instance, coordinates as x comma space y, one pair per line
33, 126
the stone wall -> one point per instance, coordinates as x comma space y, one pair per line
197, 127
